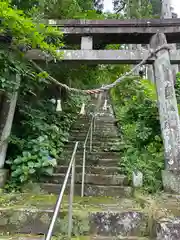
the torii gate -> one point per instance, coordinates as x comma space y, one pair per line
156, 32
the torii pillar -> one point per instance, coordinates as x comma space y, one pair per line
166, 12
168, 115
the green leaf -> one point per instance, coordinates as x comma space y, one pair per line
31, 164
48, 171
32, 171
18, 160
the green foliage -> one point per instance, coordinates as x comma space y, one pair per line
39, 132
25, 31
38, 139
177, 88
89, 14
11, 65
133, 8
25, 4
8, 68
141, 143
60, 9
37, 158
156, 7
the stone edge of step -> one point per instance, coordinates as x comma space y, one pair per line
91, 174
119, 190
41, 237
119, 238
115, 168
22, 237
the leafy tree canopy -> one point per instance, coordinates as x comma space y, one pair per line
137, 9
23, 30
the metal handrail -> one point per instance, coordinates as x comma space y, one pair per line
71, 168
90, 132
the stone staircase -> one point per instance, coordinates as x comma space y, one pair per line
102, 178
108, 211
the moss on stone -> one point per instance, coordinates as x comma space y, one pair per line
25, 211
81, 238
160, 205
25, 201
37, 237
20, 237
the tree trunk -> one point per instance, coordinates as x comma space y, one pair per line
7, 114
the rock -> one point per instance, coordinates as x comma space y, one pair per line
3, 177
168, 229
171, 181
128, 223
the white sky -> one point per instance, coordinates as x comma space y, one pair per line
175, 4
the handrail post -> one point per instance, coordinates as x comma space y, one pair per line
83, 170
94, 124
60, 197
71, 197
91, 135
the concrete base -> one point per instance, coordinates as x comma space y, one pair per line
3, 177
171, 181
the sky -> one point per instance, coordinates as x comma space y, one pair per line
175, 4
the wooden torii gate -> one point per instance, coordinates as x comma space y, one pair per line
88, 34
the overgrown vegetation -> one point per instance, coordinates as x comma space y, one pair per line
141, 143
39, 131
37, 141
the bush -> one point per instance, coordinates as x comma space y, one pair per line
38, 137
141, 142
36, 159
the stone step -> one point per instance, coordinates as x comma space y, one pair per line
98, 126
107, 162
96, 138
90, 169
95, 155
101, 162
114, 224
119, 238
90, 190
94, 179
101, 147
101, 132
42, 237
91, 216
22, 237
103, 119
96, 146
97, 135
91, 158
95, 142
